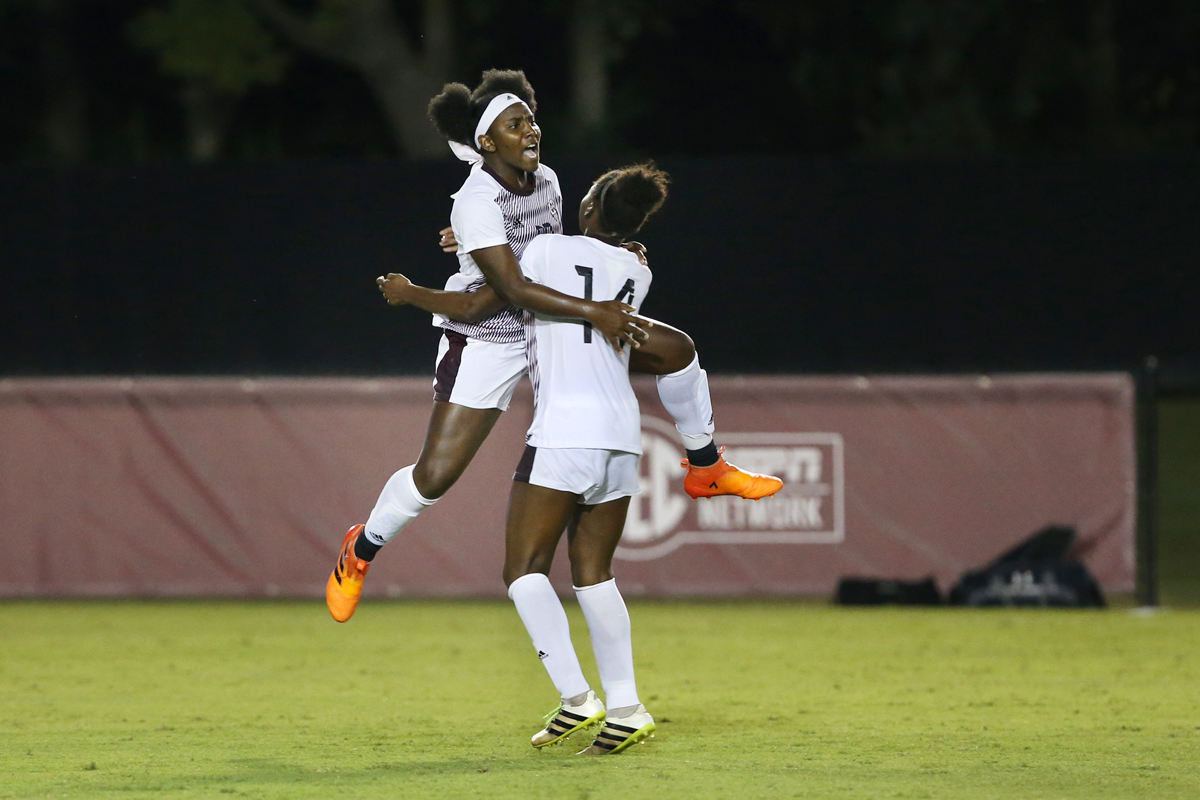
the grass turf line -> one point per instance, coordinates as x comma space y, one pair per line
274, 700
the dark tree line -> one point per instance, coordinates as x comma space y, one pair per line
137, 80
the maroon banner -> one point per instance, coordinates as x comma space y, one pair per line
890, 478
177, 487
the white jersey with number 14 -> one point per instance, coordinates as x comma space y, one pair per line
581, 392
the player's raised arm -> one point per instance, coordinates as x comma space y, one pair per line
466, 307
611, 318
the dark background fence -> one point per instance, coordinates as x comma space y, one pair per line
772, 264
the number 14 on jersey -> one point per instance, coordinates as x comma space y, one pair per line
625, 295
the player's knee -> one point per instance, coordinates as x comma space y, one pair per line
591, 575
683, 349
434, 477
514, 569
520, 561
588, 569
675, 348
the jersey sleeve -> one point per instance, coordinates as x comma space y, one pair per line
477, 222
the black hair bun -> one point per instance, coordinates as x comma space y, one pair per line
632, 194
451, 112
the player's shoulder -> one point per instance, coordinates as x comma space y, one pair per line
609, 250
547, 173
544, 243
477, 194
623, 259
539, 255
478, 184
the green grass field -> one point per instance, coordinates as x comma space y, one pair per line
274, 700
1179, 501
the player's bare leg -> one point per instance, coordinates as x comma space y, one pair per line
592, 540
670, 354
665, 350
453, 438
536, 518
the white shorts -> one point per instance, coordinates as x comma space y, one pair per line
475, 373
597, 476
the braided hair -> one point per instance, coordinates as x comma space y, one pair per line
456, 110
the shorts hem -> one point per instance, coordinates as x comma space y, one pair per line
558, 487
479, 406
608, 498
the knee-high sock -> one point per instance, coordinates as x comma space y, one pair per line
612, 641
546, 621
684, 395
399, 504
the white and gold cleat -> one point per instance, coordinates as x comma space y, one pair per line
620, 734
566, 720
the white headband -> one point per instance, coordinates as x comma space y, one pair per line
494, 109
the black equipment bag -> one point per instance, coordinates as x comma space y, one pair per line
876, 592
1037, 572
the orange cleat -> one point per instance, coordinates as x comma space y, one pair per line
345, 584
724, 478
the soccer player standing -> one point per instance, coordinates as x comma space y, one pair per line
580, 465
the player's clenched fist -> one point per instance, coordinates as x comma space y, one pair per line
393, 287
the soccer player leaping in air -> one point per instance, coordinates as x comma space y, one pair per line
508, 198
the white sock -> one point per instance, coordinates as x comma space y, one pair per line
546, 621
684, 395
612, 641
399, 504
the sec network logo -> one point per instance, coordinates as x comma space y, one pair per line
809, 509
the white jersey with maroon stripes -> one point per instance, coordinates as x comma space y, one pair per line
581, 392
488, 212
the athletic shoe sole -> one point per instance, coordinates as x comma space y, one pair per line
615, 738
